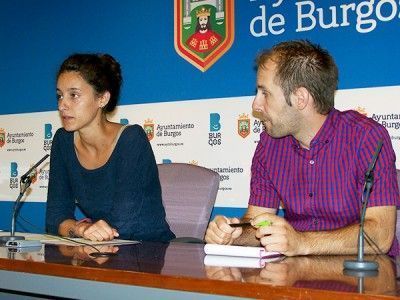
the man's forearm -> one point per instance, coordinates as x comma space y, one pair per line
344, 240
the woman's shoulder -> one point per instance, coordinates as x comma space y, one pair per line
133, 132
63, 135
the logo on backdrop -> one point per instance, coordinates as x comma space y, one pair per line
148, 127
2, 137
243, 125
391, 121
225, 176
204, 30
361, 110
214, 136
48, 134
124, 121
13, 175
16, 141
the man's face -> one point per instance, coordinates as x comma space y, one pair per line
270, 105
203, 20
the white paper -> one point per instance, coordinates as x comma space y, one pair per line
56, 240
238, 261
241, 251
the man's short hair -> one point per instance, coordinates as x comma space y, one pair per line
304, 64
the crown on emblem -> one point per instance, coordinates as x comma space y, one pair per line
203, 12
148, 121
243, 116
361, 110
194, 162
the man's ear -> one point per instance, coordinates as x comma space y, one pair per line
302, 98
104, 98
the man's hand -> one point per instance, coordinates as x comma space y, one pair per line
223, 273
279, 236
99, 231
219, 231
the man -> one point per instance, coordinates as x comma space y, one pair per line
204, 39
312, 158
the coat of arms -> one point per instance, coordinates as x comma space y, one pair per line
244, 125
204, 30
148, 127
2, 137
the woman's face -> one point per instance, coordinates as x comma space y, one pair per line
78, 102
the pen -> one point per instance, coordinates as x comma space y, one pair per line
261, 224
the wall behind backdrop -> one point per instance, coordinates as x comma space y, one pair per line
194, 103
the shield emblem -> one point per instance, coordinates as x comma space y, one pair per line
148, 127
2, 137
204, 30
243, 125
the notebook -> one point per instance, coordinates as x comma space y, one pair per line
240, 251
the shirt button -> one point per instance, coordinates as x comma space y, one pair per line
310, 194
312, 162
315, 221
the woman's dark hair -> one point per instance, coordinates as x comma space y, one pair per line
101, 71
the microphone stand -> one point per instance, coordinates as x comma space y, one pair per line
362, 268
25, 182
360, 264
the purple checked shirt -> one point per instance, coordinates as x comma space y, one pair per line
321, 188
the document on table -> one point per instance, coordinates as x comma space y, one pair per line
239, 261
239, 256
241, 251
56, 240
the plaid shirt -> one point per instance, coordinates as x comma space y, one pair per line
321, 188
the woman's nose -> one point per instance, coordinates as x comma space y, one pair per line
62, 105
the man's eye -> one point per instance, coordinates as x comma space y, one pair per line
58, 97
265, 93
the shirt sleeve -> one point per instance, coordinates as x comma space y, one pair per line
137, 211
60, 203
262, 190
385, 191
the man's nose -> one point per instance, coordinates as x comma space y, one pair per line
257, 103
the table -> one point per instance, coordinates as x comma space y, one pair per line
177, 271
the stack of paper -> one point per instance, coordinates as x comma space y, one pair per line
238, 256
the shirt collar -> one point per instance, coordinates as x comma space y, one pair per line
325, 133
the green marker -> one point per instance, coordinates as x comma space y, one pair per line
264, 223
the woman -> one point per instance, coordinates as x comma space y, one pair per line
106, 169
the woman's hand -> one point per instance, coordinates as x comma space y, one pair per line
99, 231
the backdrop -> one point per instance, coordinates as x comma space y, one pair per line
191, 92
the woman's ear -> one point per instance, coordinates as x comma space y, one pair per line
104, 98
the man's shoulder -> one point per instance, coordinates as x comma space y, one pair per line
354, 119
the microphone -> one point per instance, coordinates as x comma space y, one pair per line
28, 176
19, 241
361, 265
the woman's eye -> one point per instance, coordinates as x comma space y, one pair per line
74, 96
